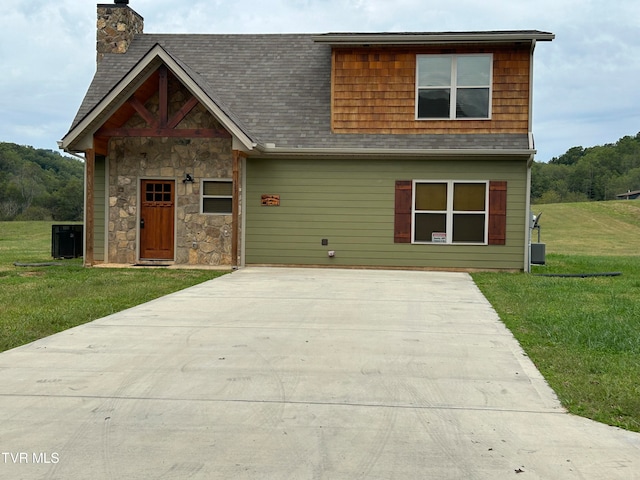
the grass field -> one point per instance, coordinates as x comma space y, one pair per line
39, 301
583, 334
591, 228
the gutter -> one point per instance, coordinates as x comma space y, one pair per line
272, 150
427, 39
72, 153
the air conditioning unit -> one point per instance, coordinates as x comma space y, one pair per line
66, 241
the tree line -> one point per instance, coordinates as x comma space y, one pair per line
38, 184
588, 174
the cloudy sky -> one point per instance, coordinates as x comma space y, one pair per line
586, 82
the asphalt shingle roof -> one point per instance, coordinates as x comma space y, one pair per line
275, 87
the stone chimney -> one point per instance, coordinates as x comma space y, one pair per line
117, 25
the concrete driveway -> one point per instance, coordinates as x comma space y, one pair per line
272, 373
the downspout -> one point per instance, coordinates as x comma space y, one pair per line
84, 210
527, 223
243, 213
235, 210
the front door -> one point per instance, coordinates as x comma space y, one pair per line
157, 219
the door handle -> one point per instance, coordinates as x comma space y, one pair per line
142, 223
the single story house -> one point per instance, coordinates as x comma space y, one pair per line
399, 150
630, 195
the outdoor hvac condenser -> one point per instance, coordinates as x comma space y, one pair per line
66, 241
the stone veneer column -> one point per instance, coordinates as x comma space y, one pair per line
117, 25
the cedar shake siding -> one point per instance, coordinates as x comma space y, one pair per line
374, 91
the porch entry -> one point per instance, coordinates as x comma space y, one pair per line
157, 219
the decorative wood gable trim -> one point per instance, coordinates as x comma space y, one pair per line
160, 124
82, 136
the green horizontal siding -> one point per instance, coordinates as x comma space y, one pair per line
351, 203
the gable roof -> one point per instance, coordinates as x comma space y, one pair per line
271, 91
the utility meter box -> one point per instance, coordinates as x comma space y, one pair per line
538, 253
537, 249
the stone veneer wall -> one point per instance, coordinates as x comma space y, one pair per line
133, 159
116, 27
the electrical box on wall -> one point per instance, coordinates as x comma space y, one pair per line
538, 254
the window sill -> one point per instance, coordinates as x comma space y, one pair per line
451, 244
466, 119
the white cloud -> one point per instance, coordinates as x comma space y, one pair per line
585, 90
43, 81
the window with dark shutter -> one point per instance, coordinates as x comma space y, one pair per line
466, 212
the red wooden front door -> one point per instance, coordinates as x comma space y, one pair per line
157, 219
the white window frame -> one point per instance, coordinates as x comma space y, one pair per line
454, 87
450, 212
203, 196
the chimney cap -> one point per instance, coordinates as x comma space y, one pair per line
125, 2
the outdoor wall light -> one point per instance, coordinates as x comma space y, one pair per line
187, 178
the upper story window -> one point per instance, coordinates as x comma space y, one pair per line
454, 86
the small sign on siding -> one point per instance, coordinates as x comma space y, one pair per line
439, 237
270, 200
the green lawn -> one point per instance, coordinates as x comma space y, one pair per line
591, 228
583, 334
39, 301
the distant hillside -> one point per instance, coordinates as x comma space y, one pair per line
591, 228
38, 184
588, 174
